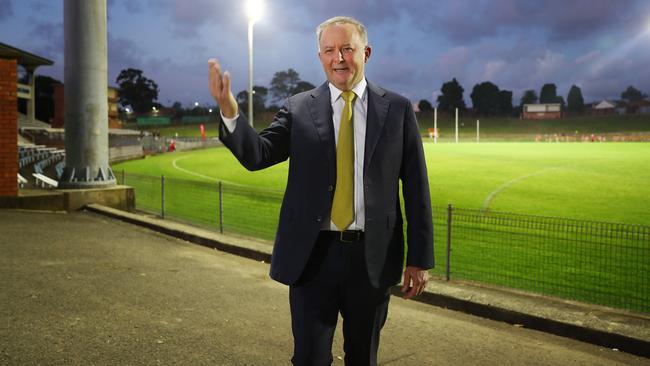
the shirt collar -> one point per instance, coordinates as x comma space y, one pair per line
359, 89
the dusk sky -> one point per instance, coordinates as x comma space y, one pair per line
600, 45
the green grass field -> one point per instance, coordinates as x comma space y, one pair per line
588, 181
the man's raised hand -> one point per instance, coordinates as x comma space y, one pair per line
220, 89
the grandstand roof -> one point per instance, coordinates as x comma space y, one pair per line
23, 58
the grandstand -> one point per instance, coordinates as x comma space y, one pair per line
41, 151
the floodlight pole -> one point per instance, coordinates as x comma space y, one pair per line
477, 131
251, 23
435, 125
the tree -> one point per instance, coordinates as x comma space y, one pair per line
259, 99
284, 84
632, 94
136, 90
485, 98
451, 96
505, 102
177, 109
302, 86
548, 94
576, 102
425, 106
529, 97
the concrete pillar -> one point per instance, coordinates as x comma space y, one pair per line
86, 105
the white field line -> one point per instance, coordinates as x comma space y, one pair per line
510, 183
201, 175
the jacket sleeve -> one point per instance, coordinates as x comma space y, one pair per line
417, 201
258, 151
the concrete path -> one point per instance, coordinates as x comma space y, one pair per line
83, 289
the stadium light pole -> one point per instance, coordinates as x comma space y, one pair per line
435, 125
254, 9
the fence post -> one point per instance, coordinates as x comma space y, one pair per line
220, 208
123, 178
448, 264
162, 198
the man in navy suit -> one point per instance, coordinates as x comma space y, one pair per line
340, 243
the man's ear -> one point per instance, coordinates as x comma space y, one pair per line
367, 51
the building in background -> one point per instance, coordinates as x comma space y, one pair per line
603, 108
542, 111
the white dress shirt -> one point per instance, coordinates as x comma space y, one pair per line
359, 118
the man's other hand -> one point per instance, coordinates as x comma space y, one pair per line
415, 281
220, 89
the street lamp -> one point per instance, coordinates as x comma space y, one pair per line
254, 9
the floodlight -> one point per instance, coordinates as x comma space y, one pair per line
254, 10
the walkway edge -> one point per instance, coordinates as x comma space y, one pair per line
234, 245
593, 324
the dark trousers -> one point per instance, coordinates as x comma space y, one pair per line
336, 280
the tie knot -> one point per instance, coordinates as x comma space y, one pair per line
348, 96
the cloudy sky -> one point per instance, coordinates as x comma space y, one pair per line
600, 45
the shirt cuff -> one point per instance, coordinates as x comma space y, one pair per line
230, 123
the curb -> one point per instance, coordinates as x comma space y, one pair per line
597, 337
262, 252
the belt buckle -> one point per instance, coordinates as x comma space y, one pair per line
349, 236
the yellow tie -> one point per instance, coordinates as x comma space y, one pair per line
343, 207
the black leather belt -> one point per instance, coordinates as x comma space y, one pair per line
347, 236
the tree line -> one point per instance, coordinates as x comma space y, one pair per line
140, 94
489, 100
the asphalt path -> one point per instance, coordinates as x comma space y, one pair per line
83, 289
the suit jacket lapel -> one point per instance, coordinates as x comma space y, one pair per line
320, 107
377, 112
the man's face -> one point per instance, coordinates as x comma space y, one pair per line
343, 55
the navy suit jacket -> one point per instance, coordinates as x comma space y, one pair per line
302, 131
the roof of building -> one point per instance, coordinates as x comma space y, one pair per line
604, 105
23, 58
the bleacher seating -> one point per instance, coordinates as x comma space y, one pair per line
45, 181
41, 157
59, 169
21, 180
49, 158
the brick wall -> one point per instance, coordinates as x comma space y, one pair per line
8, 129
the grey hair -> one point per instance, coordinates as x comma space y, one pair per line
363, 33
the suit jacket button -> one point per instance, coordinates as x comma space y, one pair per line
330, 188
319, 219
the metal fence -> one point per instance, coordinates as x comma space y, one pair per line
596, 262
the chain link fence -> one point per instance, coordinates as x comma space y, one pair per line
227, 208
595, 262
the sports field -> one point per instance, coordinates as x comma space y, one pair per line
588, 181
584, 261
